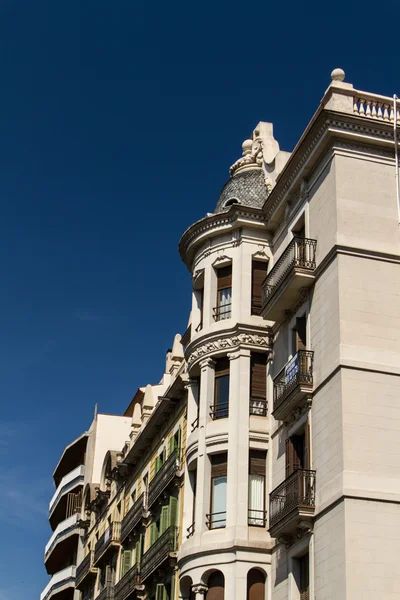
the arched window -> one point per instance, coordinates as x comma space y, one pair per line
231, 201
216, 586
255, 585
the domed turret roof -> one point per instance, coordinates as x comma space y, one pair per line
246, 187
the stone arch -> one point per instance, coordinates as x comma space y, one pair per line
215, 581
185, 587
256, 584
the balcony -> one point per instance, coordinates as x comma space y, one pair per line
293, 384
292, 502
125, 588
85, 571
164, 476
159, 552
222, 312
219, 411
258, 407
108, 541
62, 543
257, 518
295, 269
107, 593
62, 582
67, 484
133, 517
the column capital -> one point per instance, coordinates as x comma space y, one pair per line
200, 588
192, 383
207, 363
245, 352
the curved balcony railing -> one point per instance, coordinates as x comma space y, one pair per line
216, 520
66, 577
159, 552
219, 411
133, 517
257, 518
67, 483
126, 585
295, 493
85, 569
63, 529
111, 536
298, 371
164, 476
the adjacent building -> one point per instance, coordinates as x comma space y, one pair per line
265, 464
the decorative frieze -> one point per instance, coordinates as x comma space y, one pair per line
229, 341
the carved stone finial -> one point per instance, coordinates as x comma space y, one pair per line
252, 156
338, 75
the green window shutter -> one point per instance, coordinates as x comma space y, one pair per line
164, 519
126, 561
172, 444
138, 550
153, 533
173, 586
178, 436
157, 465
173, 511
161, 592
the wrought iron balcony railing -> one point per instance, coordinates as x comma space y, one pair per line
195, 424
164, 476
106, 593
84, 569
294, 495
133, 517
190, 531
219, 411
257, 518
110, 537
258, 407
216, 520
223, 311
126, 585
159, 552
297, 372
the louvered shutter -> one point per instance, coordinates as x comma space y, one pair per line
164, 519
160, 592
301, 334
173, 511
307, 462
138, 551
153, 533
258, 375
126, 561
258, 274
172, 444
224, 277
304, 578
257, 462
219, 464
293, 455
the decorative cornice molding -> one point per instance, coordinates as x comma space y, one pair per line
207, 363
332, 124
215, 222
229, 340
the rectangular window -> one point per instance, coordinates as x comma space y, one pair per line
258, 274
258, 384
257, 466
298, 452
304, 577
224, 293
200, 304
220, 409
219, 470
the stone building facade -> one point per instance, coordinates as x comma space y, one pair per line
265, 465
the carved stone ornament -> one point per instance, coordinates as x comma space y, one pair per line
199, 588
298, 412
228, 343
222, 258
252, 156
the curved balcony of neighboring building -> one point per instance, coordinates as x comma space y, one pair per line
72, 457
61, 586
63, 543
68, 497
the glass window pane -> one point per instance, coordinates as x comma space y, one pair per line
256, 499
218, 508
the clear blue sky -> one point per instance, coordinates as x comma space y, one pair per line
118, 123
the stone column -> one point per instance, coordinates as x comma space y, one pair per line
238, 444
192, 388
207, 375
